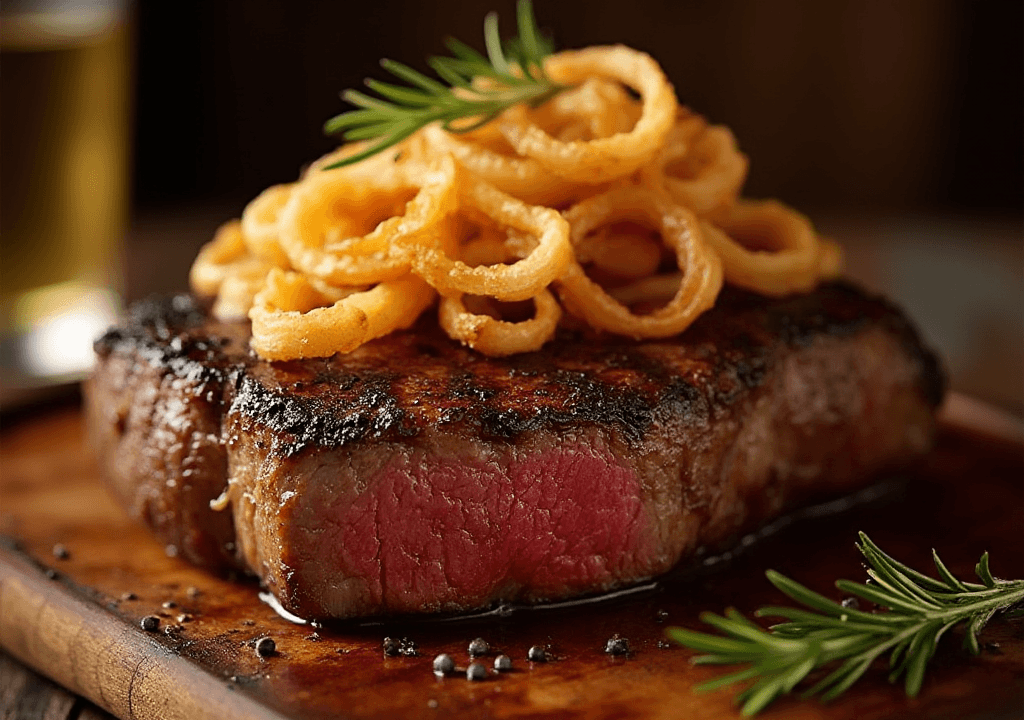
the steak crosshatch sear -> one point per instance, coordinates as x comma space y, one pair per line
414, 475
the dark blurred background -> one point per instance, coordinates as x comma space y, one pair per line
867, 105
897, 125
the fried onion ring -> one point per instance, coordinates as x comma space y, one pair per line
701, 167
475, 211
288, 320
222, 257
680, 230
766, 247
317, 225
522, 177
626, 255
607, 158
236, 293
656, 289
519, 281
499, 338
259, 224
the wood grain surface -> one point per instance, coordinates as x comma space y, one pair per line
26, 695
75, 616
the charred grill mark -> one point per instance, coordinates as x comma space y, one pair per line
354, 410
682, 400
399, 385
587, 402
466, 386
159, 317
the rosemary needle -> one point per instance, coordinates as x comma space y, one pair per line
514, 75
920, 610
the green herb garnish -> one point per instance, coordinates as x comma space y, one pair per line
920, 611
515, 75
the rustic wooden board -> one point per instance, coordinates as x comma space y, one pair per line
77, 619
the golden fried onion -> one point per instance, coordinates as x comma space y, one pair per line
321, 227
288, 321
766, 247
525, 178
702, 270
607, 158
701, 167
623, 254
519, 281
259, 224
342, 256
498, 338
222, 257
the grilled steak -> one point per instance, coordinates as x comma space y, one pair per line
413, 475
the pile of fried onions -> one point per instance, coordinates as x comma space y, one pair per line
610, 203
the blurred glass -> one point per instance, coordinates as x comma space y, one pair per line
64, 138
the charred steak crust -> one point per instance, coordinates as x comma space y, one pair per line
408, 380
665, 445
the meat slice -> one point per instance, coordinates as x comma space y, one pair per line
413, 475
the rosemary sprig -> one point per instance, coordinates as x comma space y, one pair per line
921, 610
514, 75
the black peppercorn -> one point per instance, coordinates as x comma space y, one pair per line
60, 552
443, 664
266, 646
503, 663
617, 645
479, 647
391, 647
476, 671
150, 623
537, 654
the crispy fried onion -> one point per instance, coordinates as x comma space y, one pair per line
680, 230
349, 229
226, 270
768, 248
597, 108
290, 320
622, 253
521, 280
604, 158
345, 255
701, 167
496, 337
522, 177
260, 224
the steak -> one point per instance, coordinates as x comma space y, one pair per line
414, 475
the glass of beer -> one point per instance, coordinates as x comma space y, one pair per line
64, 158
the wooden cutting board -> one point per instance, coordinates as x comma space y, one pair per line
77, 618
